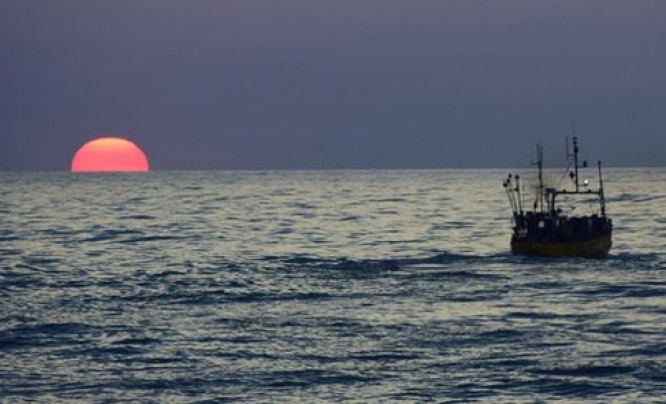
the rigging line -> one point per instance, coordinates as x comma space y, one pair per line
566, 173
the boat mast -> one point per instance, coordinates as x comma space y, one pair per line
540, 164
602, 198
575, 156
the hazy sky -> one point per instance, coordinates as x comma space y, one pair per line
244, 84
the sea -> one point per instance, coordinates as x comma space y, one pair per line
320, 286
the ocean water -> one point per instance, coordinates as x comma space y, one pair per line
319, 286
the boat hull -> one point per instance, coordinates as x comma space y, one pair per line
596, 247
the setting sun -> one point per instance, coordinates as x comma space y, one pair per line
109, 154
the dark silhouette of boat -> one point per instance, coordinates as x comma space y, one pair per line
546, 230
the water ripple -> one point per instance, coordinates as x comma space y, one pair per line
367, 286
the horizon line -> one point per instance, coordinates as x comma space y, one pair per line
309, 169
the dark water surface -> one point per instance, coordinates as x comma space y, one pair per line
319, 286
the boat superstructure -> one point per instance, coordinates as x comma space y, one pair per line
546, 230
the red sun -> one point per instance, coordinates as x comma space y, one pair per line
109, 154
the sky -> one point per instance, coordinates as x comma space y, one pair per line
314, 84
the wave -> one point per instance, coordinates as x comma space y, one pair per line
46, 334
152, 238
381, 200
388, 264
138, 217
120, 236
628, 197
110, 234
309, 377
587, 370
633, 257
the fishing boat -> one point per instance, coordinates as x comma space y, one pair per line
546, 229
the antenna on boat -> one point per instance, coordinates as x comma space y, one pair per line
575, 147
602, 198
539, 155
574, 174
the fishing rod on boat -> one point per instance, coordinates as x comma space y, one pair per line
520, 197
509, 194
505, 184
